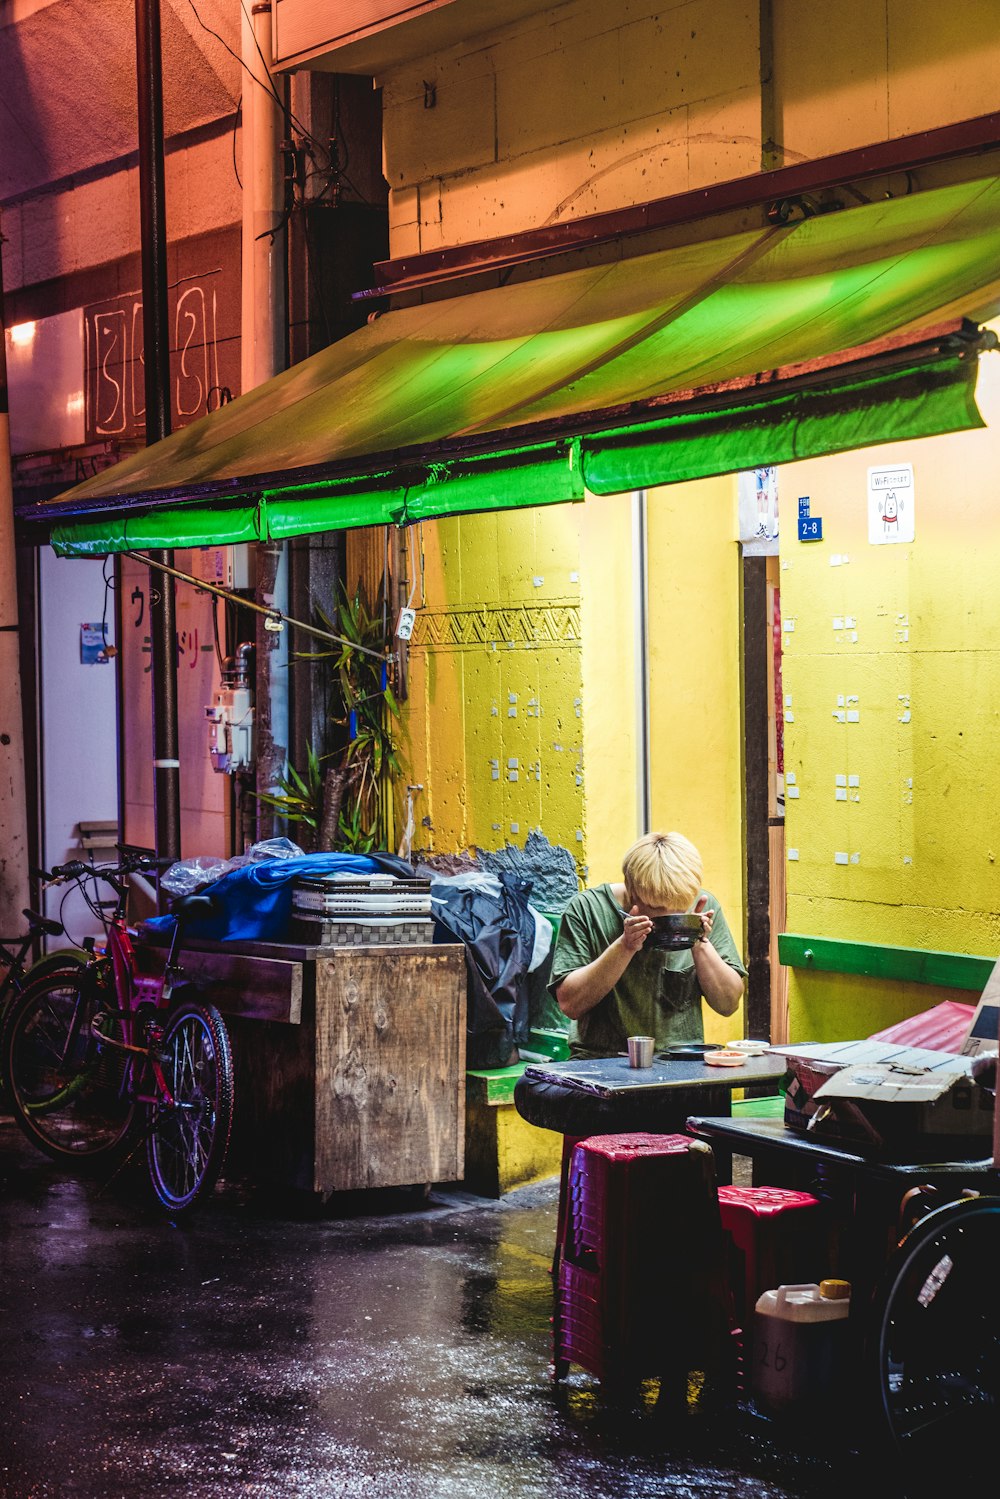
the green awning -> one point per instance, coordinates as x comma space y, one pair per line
749, 349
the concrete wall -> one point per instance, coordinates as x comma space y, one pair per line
68, 176
79, 771
69, 212
851, 72
74, 227
579, 108
586, 106
611, 812
494, 722
906, 637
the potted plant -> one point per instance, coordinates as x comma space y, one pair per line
344, 798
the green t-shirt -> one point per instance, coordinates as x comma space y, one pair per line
657, 995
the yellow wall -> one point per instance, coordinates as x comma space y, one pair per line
582, 108
525, 649
609, 684
493, 722
695, 719
909, 637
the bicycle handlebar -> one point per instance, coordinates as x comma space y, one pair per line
127, 864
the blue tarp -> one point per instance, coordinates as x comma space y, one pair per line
254, 904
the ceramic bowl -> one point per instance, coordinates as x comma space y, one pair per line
674, 932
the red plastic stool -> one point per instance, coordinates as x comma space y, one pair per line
775, 1237
640, 1286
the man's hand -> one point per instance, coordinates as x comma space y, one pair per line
707, 915
637, 929
585, 987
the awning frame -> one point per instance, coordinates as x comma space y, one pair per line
403, 469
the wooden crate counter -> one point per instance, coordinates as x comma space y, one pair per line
350, 1061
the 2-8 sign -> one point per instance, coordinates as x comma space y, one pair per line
810, 528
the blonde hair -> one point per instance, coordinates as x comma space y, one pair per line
663, 870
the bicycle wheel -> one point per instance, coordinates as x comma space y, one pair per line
936, 1344
63, 960
15, 978
188, 1137
65, 1086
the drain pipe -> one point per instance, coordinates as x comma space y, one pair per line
156, 340
262, 332
262, 337
640, 622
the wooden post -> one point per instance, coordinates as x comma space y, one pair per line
756, 649
13, 814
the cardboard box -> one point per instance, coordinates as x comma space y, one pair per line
875, 1093
985, 1023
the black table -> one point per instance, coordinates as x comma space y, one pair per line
863, 1190
607, 1096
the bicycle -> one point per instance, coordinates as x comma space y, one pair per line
934, 1347
17, 971
98, 1061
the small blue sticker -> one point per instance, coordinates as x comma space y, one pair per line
803, 506
93, 645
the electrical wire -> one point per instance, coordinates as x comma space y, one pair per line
286, 109
91, 900
215, 632
411, 562
282, 222
333, 169
109, 586
276, 615
237, 118
267, 83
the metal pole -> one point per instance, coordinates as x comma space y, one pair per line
156, 339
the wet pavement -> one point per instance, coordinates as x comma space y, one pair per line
387, 1346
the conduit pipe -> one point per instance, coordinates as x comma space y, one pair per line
156, 341
262, 340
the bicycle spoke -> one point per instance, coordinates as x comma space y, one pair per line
188, 1135
65, 1086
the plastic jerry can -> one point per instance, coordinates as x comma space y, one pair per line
800, 1347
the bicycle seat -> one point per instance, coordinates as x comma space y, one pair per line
195, 904
42, 923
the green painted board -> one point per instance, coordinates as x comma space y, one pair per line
494, 1085
759, 1108
914, 965
551, 1043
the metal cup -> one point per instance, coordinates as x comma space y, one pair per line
640, 1051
